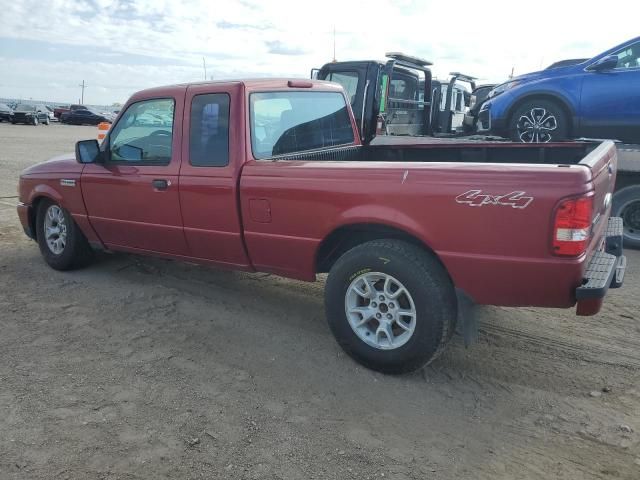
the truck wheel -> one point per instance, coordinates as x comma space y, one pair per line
538, 121
61, 242
390, 305
626, 204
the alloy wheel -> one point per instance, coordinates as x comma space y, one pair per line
380, 310
536, 126
55, 229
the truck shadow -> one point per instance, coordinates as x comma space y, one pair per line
516, 347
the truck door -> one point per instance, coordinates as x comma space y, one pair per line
211, 162
610, 100
132, 196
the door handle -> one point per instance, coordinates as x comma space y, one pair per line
160, 184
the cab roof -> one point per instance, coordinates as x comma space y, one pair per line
249, 84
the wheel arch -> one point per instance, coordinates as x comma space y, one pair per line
33, 211
549, 96
348, 236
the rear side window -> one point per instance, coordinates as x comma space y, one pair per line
290, 122
209, 130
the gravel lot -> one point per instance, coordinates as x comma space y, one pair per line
142, 368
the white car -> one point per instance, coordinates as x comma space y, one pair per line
52, 117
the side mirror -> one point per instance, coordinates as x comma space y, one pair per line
607, 63
87, 151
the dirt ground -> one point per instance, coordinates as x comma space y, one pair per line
138, 368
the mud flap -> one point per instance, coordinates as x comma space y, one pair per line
467, 320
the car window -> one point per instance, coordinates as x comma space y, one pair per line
629, 57
143, 134
209, 130
348, 80
3, 106
288, 122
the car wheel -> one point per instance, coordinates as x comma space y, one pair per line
626, 204
61, 242
538, 121
34, 122
390, 305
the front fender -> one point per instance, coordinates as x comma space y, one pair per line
68, 195
46, 191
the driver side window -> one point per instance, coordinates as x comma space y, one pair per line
629, 57
143, 134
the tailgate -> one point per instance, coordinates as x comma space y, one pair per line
602, 162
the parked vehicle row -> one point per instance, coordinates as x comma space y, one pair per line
232, 178
30, 114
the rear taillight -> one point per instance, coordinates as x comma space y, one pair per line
572, 226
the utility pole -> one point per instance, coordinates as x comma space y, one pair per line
83, 87
204, 66
334, 44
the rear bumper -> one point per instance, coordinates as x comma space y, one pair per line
606, 270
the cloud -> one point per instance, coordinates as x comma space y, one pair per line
224, 25
279, 48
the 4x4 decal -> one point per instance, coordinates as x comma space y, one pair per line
475, 198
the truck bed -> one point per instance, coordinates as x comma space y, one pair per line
433, 150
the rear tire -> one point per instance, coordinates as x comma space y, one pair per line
62, 243
626, 204
538, 121
382, 332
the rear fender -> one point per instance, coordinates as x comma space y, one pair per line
385, 216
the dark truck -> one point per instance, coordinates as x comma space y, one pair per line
400, 96
272, 176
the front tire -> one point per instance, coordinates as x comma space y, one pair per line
626, 204
391, 305
62, 243
538, 121
34, 122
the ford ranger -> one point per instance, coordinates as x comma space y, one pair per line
271, 175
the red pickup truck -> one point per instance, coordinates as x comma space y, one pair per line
271, 175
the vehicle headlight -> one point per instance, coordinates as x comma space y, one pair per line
503, 88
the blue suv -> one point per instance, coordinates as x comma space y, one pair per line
596, 98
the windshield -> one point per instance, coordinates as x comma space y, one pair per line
25, 108
288, 122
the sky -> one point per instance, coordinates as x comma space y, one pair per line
47, 48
